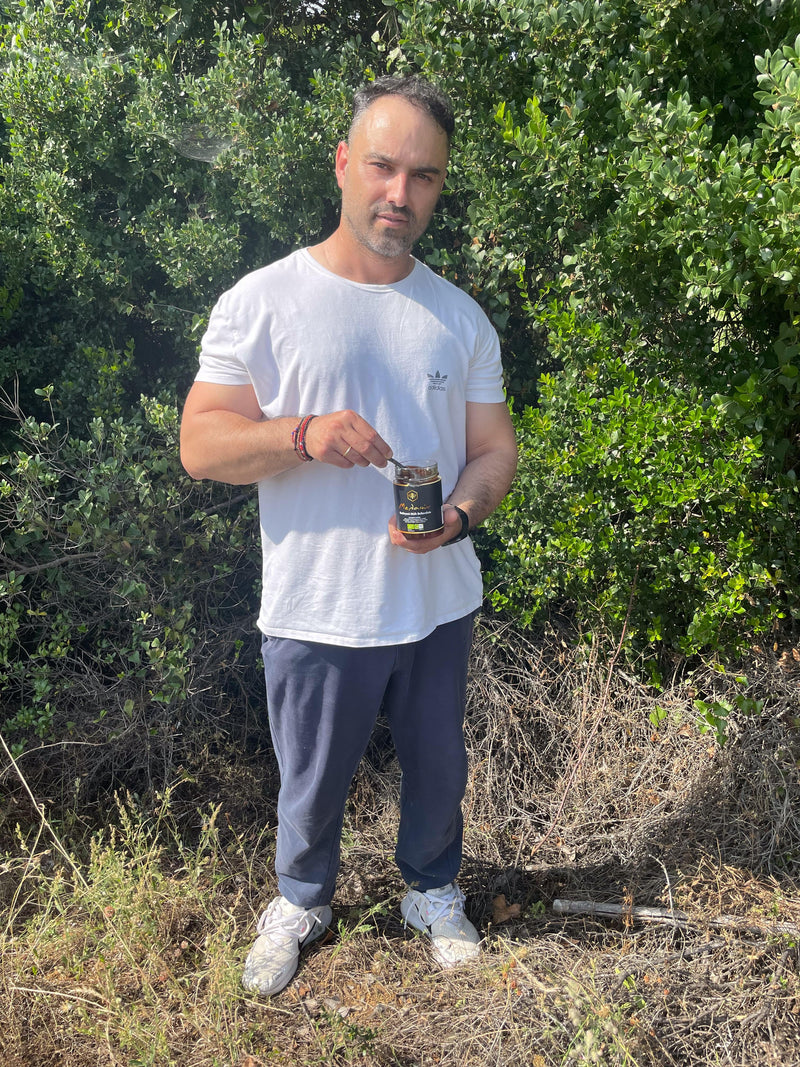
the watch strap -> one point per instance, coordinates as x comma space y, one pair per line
464, 532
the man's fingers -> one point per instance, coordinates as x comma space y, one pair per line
363, 444
345, 440
421, 545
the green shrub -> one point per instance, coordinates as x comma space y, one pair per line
127, 597
638, 501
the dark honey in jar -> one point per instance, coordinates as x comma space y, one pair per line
418, 499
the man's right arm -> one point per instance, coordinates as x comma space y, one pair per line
226, 437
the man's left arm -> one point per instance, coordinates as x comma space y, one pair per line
484, 481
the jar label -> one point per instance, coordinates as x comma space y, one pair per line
418, 508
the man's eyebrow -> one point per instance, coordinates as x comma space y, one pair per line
381, 158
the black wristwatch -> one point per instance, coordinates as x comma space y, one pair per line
464, 531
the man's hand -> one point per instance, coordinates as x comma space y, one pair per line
344, 439
419, 544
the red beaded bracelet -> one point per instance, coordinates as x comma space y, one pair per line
299, 438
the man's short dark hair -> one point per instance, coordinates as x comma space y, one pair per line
413, 88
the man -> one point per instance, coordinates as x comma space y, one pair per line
313, 370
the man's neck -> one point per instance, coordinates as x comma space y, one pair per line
359, 264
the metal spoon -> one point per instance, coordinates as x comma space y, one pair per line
397, 463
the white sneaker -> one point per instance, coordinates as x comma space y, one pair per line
439, 913
283, 929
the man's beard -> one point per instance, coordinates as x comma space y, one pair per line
386, 243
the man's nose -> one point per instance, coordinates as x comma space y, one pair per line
396, 190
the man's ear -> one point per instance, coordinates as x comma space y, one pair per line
342, 151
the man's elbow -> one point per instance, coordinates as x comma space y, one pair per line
512, 458
196, 473
192, 461
510, 455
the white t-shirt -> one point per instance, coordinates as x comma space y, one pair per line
406, 357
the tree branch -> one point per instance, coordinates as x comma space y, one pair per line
667, 916
60, 562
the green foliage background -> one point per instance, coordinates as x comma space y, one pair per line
623, 200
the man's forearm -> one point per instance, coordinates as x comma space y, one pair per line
228, 447
483, 483
225, 437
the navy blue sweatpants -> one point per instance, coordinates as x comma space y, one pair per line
323, 702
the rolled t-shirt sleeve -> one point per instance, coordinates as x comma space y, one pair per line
220, 359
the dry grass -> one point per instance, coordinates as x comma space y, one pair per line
584, 785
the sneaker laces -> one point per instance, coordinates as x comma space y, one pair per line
444, 906
281, 928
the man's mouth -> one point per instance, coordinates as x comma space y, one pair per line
394, 216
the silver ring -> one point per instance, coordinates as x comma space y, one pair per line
347, 450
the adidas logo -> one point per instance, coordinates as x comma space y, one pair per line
437, 382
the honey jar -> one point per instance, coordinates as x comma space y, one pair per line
418, 499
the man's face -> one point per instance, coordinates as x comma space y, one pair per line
391, 173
